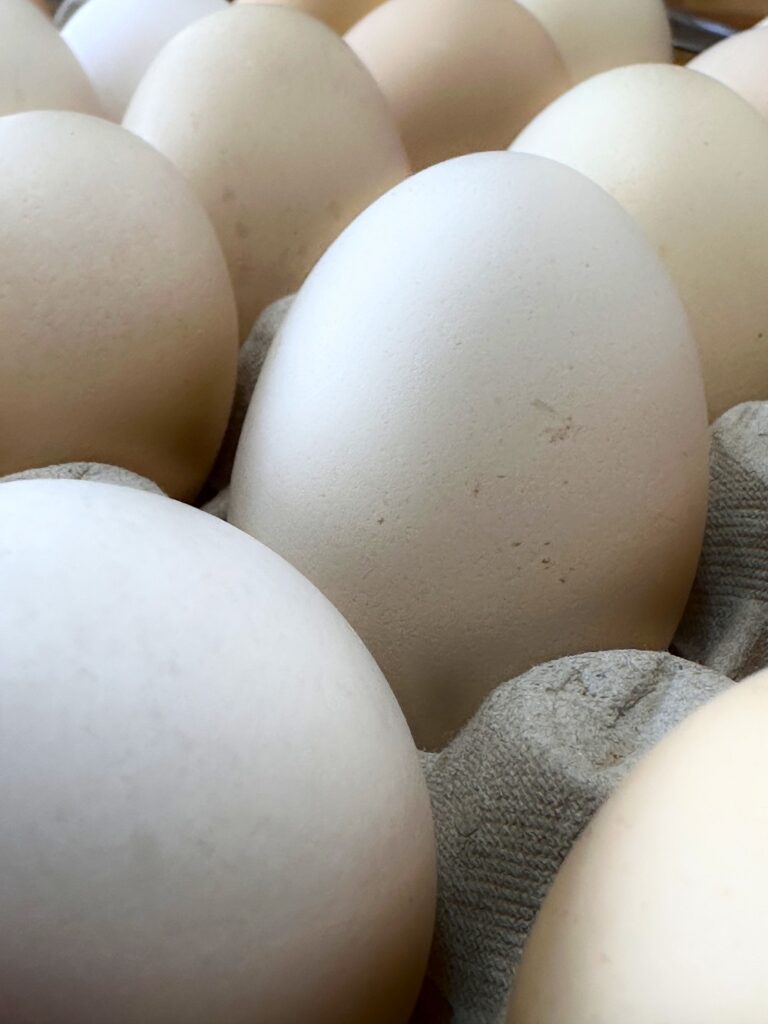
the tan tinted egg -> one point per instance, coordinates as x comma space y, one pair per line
337, 14
210, 797
689, 160
118, 330
37, 69
595, 35
659, 912
460, 75
481, 432
117, 40
741, 63
282, 133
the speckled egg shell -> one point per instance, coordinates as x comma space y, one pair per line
481, 432
281, 131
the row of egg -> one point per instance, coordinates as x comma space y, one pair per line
481, 432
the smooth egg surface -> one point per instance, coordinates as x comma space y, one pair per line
688, 159
481, 433
281, 131
210, 798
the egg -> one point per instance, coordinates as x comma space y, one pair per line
741, 63
689, 160
211, 801
595, 35
460, 75
659, 912
337, 14
481, 433
37, 70
283, 134
118, 328
117, 40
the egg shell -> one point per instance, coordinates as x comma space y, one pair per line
595, 35
37, 69
210, 797
461, 76
117, 40
688, 159
281, 131
741, 63
481, 432
118, 328
659, 912
339, 15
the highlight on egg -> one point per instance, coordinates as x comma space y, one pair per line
461, 76
118, 339
116, 41
210, 797
37, 69
658, 913
688, 159
281, 131
481, 432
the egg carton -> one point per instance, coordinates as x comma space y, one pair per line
514, 790
692, 34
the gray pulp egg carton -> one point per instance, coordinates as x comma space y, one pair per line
514, 789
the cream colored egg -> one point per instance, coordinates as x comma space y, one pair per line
689, 160
37, 69
118, 329
339, 15
212, 808
460, 75
659, 912
595, 35
741, 63
117, 40
281, 131
481, 432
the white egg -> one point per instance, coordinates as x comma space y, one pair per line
212, 808
37, 70
688, 159
481, 432
117, 40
